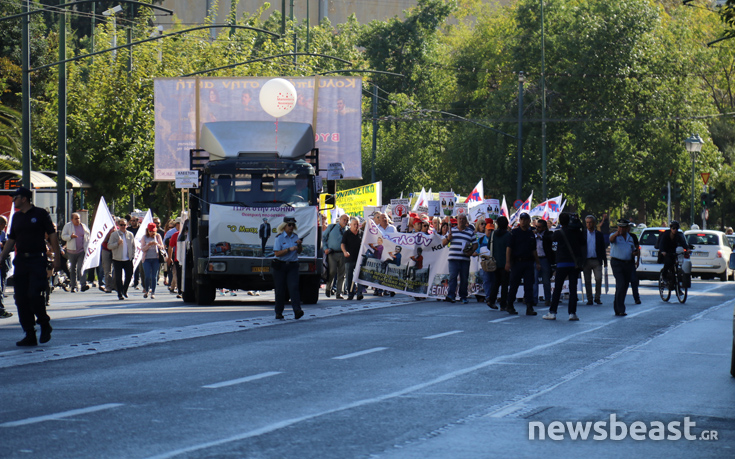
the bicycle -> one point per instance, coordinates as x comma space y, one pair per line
680, 281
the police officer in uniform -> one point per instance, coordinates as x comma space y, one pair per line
286, 267
28, 233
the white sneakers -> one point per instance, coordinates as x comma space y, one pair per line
552, 316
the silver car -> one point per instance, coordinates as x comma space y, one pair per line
710, 253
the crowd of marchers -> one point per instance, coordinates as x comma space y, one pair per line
531, 253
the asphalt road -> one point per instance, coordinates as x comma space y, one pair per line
384, 377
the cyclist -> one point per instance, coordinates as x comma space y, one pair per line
667, 244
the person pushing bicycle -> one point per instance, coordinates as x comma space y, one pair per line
667, 245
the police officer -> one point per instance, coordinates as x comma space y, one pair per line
287, 246
623, 250
28, 233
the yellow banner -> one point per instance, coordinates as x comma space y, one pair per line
353, 200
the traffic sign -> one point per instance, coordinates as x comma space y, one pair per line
517, 203
705, 177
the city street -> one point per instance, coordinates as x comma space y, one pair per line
385, 377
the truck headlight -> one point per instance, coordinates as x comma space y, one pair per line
218, 267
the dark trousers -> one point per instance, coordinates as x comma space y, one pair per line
545, 273
525, 270
634, 283
562, 273
336, 264
127, 267
623, 272
30, 284
350, 287
263, 242
502, 279
179, 287
286, 278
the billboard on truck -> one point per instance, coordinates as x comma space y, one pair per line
332, 105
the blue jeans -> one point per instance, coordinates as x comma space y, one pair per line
545, 273
150, 267
459, 268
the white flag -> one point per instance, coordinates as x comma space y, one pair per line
102, 225
139, 254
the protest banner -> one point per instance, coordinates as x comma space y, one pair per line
353, 201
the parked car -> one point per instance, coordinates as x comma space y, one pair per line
731, 239
710, 253
732, 359
649, 268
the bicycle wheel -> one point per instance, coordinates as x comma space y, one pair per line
663, 287
681, 291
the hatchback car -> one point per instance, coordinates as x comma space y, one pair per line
710, 253
649, 268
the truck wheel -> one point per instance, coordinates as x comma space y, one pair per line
188, 295
309, 289
204, 293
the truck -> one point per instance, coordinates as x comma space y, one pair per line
252, 174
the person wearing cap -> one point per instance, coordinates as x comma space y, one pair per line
30, 227
287, 248
483, 249
667, 244
151, 246
623, 250
76, 235
546, 259
459, 258
522, 261
122, 243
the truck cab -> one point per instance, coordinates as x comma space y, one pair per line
251, 176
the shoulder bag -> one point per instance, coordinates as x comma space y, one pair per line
489, 264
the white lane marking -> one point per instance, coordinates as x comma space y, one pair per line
358, 354
18, 357
507, 410
442, 335
443, 378
503, 319
232, 382
64, 414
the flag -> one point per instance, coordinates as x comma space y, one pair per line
139, 254
11, 257
541, 207
421, 200
477, 194
103, 222
504, 209
525, 207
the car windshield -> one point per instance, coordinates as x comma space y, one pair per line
703, 239
261, 189
650, 237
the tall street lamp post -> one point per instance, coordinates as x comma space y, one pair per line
694, 146
519, 179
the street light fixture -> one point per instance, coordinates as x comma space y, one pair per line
694, 146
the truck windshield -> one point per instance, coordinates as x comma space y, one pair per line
266, 189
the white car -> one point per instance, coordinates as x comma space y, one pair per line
710, 253
649, 268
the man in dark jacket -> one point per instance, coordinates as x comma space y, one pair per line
521, 262
595, 258
568, 245
546, 258
667, 244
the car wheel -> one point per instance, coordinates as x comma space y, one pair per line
723, 276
